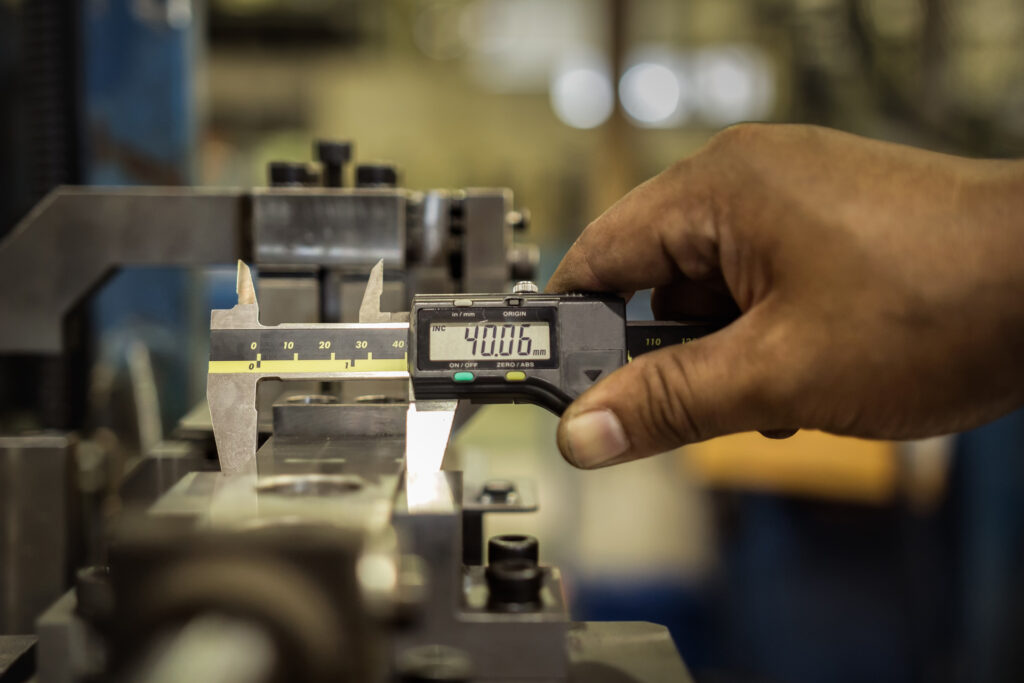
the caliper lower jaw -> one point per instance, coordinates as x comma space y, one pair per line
232, 398
232, 401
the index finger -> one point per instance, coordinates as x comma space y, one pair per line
661, 229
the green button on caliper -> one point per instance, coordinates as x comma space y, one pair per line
463, 377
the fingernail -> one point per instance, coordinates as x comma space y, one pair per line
595, 437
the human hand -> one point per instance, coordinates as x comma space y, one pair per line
880, 291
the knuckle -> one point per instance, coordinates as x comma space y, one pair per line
680, 169
589, 233
739, 136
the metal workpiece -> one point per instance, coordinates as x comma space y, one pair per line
431, 232
306, 551
75, 237
455, 612
297, 416
427, 519
433, 664
499, 635
299, 584
16, 657
149, 477
511, 591
623, 652
329, 227
486, 239
290, 296
63, 640
39, 536
349, 481
334, 542
355, 498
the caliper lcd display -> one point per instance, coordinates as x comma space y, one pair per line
490, 340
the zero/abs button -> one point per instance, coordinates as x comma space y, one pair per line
515, 376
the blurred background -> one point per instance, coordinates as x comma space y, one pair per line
811, 559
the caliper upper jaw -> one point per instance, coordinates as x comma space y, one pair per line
369, 307
428, 424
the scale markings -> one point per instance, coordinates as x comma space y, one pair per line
297, 351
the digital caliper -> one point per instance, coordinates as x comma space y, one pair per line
523, 347
544, 349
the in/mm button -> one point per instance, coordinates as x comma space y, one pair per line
515, 376
463, 377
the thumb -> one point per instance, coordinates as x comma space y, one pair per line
723, 383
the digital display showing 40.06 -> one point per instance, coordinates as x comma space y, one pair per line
490, 341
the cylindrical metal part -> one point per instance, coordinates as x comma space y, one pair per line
376, 175
289, 174
513, 547
514, 585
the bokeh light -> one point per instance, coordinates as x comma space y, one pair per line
651, 94
733, 84
581, 95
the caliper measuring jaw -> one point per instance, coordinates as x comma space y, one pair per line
243, 351
428, 424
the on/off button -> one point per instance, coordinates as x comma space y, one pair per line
515, 376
